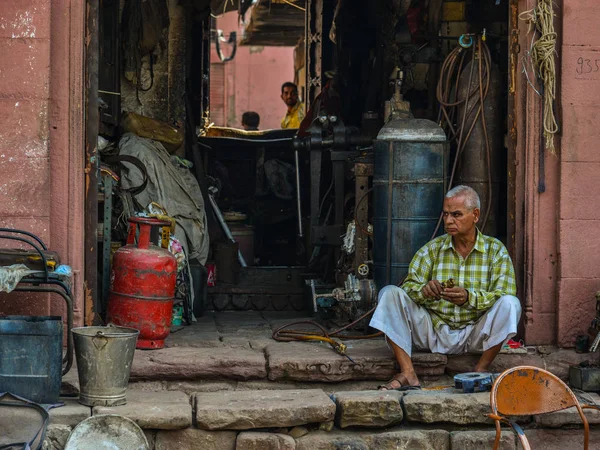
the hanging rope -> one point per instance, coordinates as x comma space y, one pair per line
542, 54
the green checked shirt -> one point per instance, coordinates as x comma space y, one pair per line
487, 273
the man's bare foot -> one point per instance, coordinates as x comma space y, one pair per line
401, 381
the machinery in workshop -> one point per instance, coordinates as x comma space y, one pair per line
406, 165
401, 172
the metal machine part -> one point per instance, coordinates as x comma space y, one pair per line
356, 295
329, 133
397, 107
211, 192
298, 199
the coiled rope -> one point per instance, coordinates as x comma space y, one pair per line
542, 53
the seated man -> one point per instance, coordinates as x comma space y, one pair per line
476, 315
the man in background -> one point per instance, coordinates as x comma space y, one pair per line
250, 121
295, 108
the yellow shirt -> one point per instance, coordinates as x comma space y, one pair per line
294, 117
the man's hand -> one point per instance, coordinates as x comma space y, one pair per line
432, 290
457, 295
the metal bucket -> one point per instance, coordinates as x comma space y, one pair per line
104, 357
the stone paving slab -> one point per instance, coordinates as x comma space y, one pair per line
56, 437
69, 415
243, 410
193, 386
558, 361
164, 410
373, 360
466, 363
328, 388
368, 408
476, 440
335, 440
410, 440
447, 406
193, 439
233, 321
190, 363
197, 340
570, 416
249, 440
413, 439
561, 439
553, 359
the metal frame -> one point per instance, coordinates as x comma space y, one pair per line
92, 124
35, 281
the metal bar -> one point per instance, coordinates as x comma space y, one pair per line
226, 228
26, 233
315, 185
106, 239
388, 244
298, 199
91, 300
338, 173
361, 240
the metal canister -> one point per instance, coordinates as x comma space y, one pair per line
142, 285
409, 183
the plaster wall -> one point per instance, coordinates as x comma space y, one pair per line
254, 78
41, 137
579, 220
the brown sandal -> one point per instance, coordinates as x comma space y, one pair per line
403, 384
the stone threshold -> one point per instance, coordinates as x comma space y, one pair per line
317, 362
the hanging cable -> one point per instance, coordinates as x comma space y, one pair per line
470, 107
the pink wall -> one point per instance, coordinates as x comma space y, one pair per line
579, 238
254, 78
560, 240
41, 137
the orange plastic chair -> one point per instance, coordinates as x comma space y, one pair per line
527, 391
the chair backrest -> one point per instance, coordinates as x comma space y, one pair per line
526, 390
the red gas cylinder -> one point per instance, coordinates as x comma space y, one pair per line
142, 285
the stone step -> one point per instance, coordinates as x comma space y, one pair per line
245, 410
372, 360
280, 361
198, 363
400, 437
156, 410
290, 419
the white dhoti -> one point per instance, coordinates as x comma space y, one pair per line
409, 325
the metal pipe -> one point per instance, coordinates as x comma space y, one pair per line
298, 200
225, 227
314, 295
92, 303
